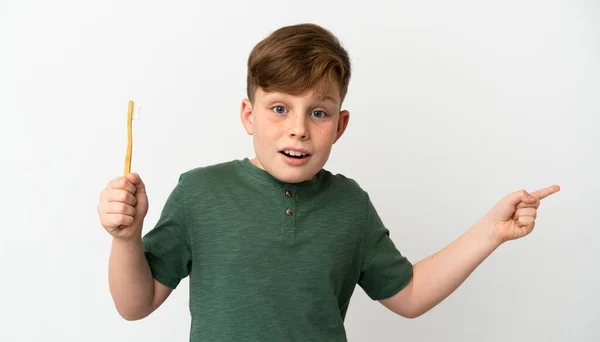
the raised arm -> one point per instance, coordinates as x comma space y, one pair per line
440, 274
122, 208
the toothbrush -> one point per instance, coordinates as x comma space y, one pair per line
133, 113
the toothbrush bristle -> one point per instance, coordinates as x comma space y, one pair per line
135, 114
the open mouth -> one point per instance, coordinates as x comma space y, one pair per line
294, 154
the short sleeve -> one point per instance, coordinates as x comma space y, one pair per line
167, 245
384, 271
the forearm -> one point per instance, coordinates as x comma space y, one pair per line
130, 279
437, 276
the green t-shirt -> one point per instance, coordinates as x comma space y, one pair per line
270, 261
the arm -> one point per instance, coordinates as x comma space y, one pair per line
134, 291
437, 276
122, 208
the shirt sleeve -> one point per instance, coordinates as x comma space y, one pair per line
384, 271
167, 246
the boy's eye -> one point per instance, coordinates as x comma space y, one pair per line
279, 109
318, 113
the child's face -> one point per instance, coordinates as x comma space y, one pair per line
307, 125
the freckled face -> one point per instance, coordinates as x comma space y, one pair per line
293, 135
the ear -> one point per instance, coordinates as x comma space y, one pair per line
343, 119
246, 115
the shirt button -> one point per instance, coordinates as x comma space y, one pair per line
289, 212
288, 193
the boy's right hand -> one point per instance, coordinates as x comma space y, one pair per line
123, 206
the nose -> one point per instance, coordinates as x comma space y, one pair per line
298, 128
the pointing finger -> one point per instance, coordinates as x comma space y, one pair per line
545, 192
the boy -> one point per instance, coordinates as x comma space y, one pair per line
274, 246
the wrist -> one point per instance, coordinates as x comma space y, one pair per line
133, 241
488, 232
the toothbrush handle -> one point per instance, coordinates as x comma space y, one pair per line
129, 140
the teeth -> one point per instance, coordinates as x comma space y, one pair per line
294, 153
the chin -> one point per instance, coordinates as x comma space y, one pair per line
287, 173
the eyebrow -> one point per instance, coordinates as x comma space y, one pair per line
328, 97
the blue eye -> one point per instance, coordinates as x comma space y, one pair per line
318, 113
279, 109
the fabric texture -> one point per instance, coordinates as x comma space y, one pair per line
270, 261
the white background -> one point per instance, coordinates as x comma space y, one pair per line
453, 105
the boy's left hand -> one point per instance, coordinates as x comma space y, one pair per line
514, 215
